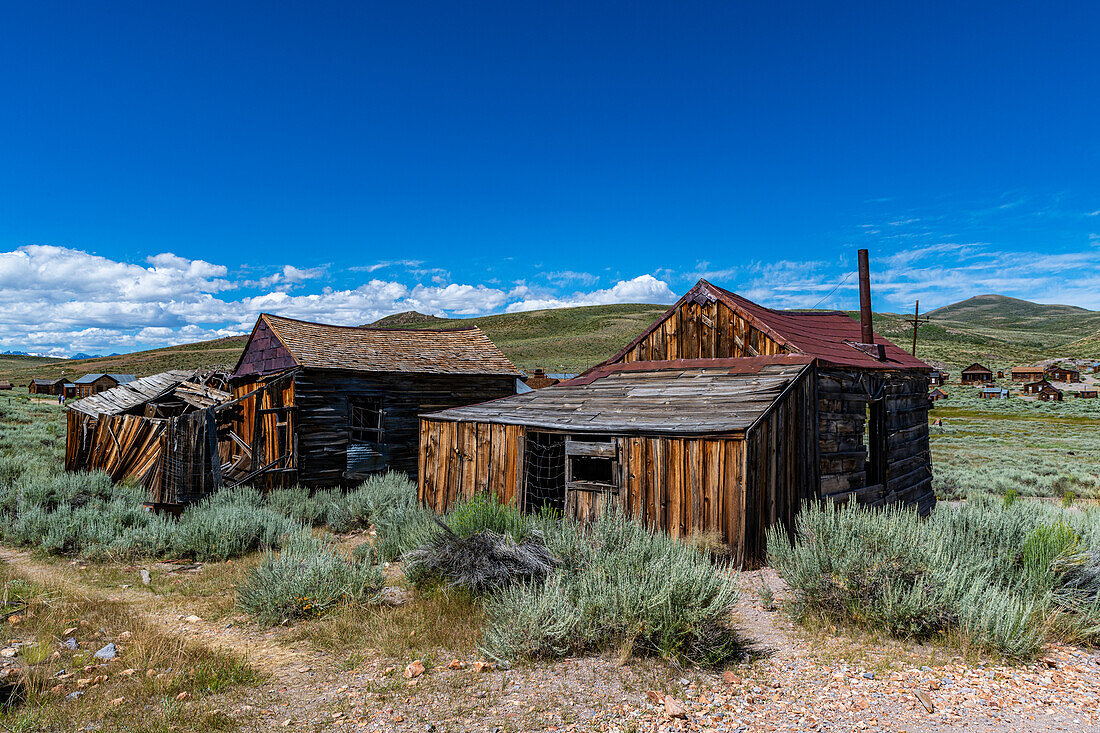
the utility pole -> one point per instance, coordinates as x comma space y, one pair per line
917, 323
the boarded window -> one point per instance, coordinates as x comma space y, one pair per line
365, 424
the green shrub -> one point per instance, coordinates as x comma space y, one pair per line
619, 585
306, 578
1000, 573
485, 513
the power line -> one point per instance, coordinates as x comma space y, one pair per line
830, 293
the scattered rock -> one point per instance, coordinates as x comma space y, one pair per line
107, 653
655, 697
145, 579
69, 631
456, 664
183, 696
483, 667
8, 652
303, 670
926, 701
84, 682
117, 701
730, 678
127, 672
71, 644
124, 636
414, 670
74, 695
192, 619
673, 708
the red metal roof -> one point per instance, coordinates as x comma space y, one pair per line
827, 336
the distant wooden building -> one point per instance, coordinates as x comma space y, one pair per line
91, 384
5, 384
723, 416
1067, 374
935, 379
348, 398
1034, 388
1028, 373
994, 393
1085, 394
1000, 374
539, 379
977, 374
936, 395
47, 386
1049, 393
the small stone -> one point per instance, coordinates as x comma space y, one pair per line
673, 708
71, 644
74, 695
192, 619
69, 631
414, 670
127, 672
124, 636
107, 653
13, 620
303, 670
456, 664
8, 652
183, 696
655, 697
145, 579
730, 678
483, 667
150, 673
925, 700
869, 675
117, 701
84, 682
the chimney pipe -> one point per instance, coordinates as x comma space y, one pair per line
867, 333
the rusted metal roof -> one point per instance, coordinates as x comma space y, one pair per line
686, 397
127, 396
357, 348
828, 336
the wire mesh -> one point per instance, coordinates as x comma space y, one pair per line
544, 471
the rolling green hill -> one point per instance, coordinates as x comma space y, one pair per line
992, 329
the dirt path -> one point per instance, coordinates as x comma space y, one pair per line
799, 681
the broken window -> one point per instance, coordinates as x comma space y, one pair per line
874, 439
592, 462
365, 420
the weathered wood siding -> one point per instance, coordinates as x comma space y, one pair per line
781, 470
460, 459
126, 447
842, 401
322, 401
703, 331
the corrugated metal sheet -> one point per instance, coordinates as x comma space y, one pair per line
320, 346
692, 397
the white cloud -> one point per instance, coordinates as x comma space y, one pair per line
642, 289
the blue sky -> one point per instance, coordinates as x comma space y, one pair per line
168, 171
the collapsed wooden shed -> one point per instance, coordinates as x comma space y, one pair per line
350, 397
804, 404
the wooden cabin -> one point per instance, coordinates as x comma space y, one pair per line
936, 395
977, 374
1069, 375
1034, 388
5, 385
47, 386
91, 384
1049, 393
539, 379
348, 398
994, 393
1085, 394
935, 379
1027, 373
722, 416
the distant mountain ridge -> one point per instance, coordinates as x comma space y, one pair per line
992, 329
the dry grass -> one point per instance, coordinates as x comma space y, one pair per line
136, 691
430, 626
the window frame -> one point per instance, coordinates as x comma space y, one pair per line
366, 417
